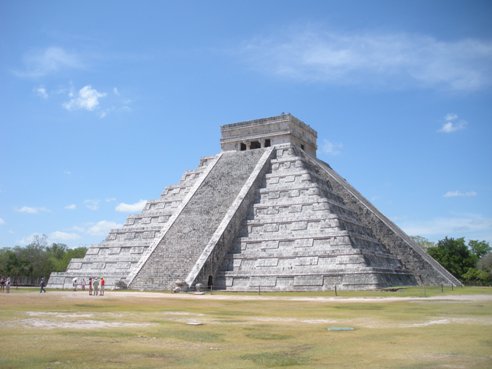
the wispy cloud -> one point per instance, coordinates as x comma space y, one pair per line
42, 62
2, 222
331, 148
31, 210
71, 207
471, 226
452, 123
92, 204
102, 228
60, 236
87, 98
41, 92
130, 208
394, 60
460, 194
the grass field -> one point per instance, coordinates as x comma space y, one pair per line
410, 328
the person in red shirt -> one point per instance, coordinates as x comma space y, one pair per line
102, 286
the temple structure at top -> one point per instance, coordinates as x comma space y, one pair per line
264, 213
266, 132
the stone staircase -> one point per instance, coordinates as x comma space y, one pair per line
300, 235
123, 248
181, 246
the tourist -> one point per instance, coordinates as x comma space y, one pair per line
7, 285
41, 285
102, 286
90, 286
74, 284
2, 284
95, 285
83, 284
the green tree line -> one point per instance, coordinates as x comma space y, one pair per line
470, 262
26, 265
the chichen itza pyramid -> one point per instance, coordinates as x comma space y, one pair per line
266, 214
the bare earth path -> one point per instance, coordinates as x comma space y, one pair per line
238, 297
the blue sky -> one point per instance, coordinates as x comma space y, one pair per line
105, 103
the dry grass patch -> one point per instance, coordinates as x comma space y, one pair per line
139, 331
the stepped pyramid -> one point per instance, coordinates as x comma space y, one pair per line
266, 214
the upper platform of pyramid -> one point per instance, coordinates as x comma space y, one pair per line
258, 133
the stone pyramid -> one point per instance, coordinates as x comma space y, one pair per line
266, 214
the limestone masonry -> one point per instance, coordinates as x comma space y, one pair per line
266, 214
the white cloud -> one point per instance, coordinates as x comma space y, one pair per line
130, 208
451, 117
92, 204
60, 236
102, 228
78, 229
71, 207
471, 226
452, 123
2, 222
331, 148
387, 59
460, 194
41, 92
31, 210
86, 99
40, 63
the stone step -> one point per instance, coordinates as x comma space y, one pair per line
308, 204
365, 279
309, 192
162, 204
183, 243
332, 220
291, 252
152, 213
130, 238
299, 228
114, 258
333, 234
144, 219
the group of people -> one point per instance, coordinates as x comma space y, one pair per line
5, 284
96, 286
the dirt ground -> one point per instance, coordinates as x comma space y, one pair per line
208, 296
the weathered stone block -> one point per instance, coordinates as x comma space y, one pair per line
263, 281
308, 280
266, 262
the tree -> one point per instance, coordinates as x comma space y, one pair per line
454, 255
479, 248
26, 265
474, 275
423, 242
485, 265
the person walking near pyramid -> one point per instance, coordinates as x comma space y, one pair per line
90, 286
95, 285
102, 286
41, 285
